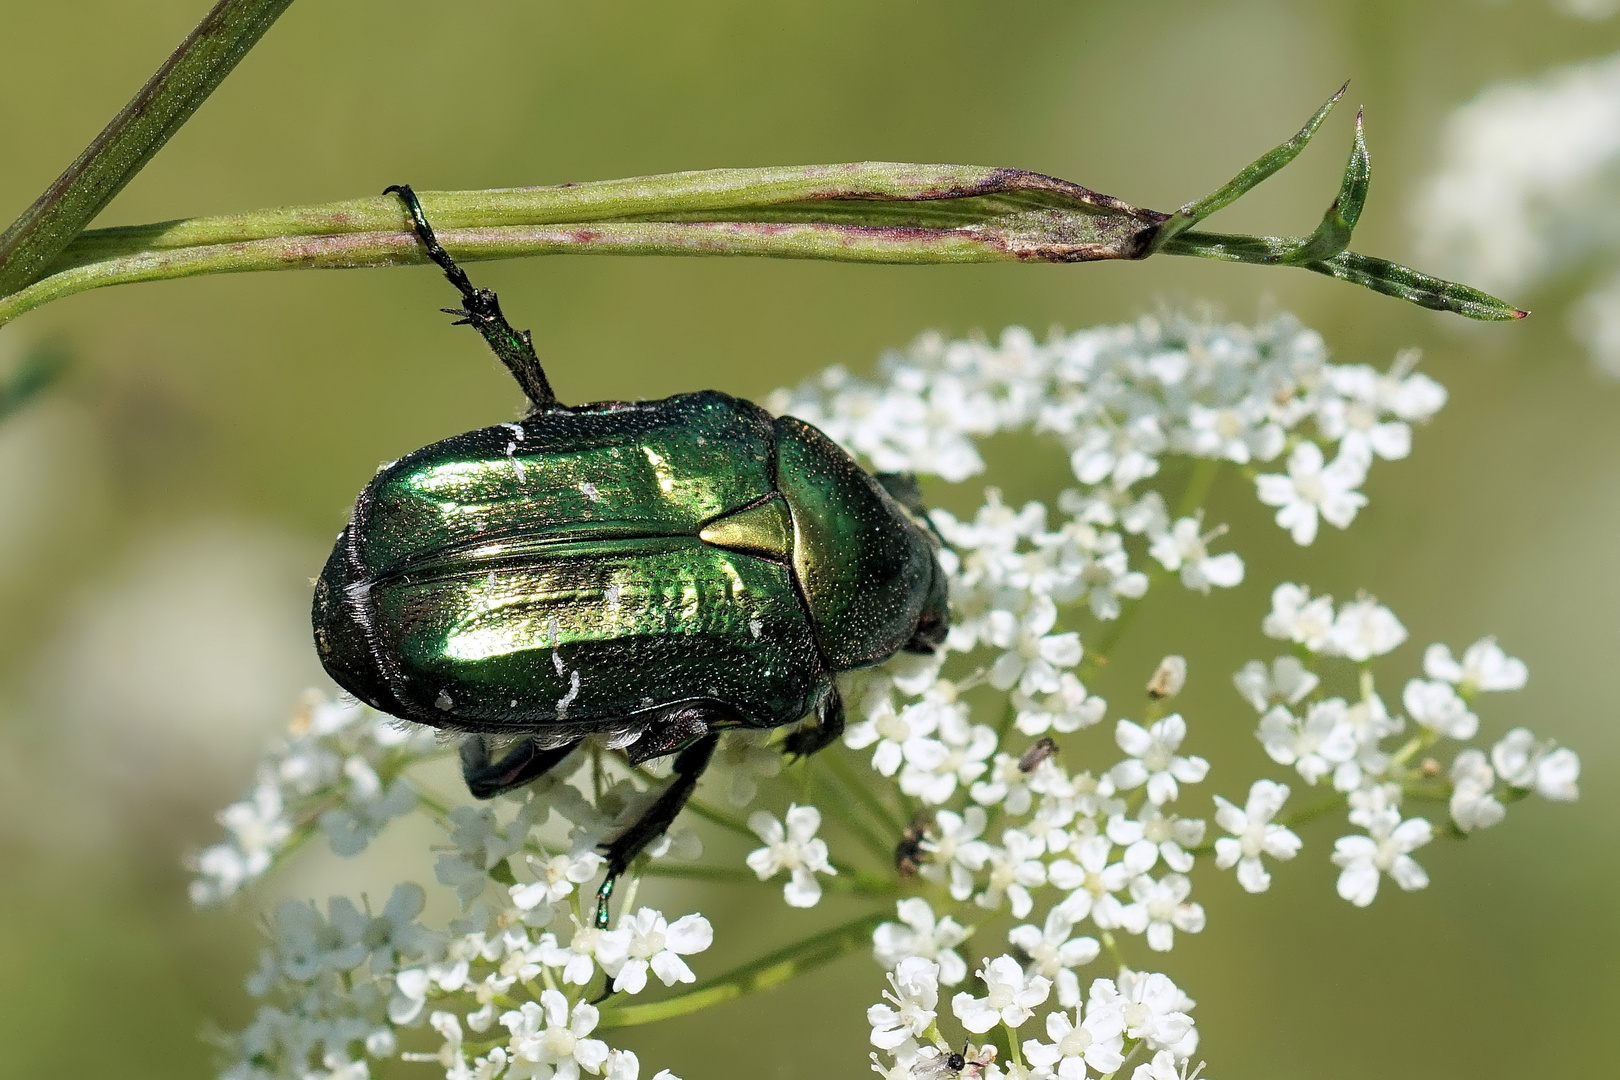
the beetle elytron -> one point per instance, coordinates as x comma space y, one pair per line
653, 572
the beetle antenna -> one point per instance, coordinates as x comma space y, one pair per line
482, 311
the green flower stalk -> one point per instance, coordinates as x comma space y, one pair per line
884, 212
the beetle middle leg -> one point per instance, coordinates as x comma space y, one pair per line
689, 766
514, 348
525, 762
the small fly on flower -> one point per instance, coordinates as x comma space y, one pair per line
1038, 752
948, 1064
909, 853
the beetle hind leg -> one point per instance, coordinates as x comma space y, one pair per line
482, 310
622, 851
524, 763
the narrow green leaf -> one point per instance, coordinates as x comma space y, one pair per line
128, 142
1256, 171
1333, 234
1407, 284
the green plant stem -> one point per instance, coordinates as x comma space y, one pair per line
127, 143
862, 212
720, 818
849, 778
853, 882
1204, 473
761, 974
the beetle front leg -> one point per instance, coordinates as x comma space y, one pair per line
827, 729
689, 765
526, 762
514, 348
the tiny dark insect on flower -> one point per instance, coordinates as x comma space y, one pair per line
650, 572
1039, 751
911, 852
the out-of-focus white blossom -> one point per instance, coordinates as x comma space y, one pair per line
796, 849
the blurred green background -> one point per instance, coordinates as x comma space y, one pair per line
162, 512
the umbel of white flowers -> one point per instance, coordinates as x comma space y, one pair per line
987, 764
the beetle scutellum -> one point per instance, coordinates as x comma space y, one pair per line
652, 572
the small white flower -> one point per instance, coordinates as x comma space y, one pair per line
1254, 834
1164, 1066
1311, 489
1153, 1008
548, 1035
1010, 997
1068, 708
1364, 629
1529, 765
555, 878
1386, 851
1013, 869
1183, 548
1436, 706
954, 850
1154, 760
1007, 785
1152, 835
919, 934
1091, 881
1165, 909
1095, 1041
646, 940
1484, 666
1287, 682
795, 849
578, 960
1473, 800
1296, 617
913, 994
1315, 745
1054, 955
935, 767
1033, 654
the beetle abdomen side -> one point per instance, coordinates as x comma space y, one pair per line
590, 633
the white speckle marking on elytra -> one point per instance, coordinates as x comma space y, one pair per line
554, 628
754, 627
556, 660
590, 491
568, 698
490, 580
512, 704
515, 429
701, 441
646, 703
613, 592
443, 702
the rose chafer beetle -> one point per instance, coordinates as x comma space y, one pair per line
651, 572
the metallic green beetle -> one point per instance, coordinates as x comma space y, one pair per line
652, 572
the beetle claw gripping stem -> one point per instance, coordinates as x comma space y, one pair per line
482, 312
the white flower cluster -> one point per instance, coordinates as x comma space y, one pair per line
1329, 737
1525, 190
336, 771
1121, 398
1138, 1014
981, 799
1089, 860
348, 987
